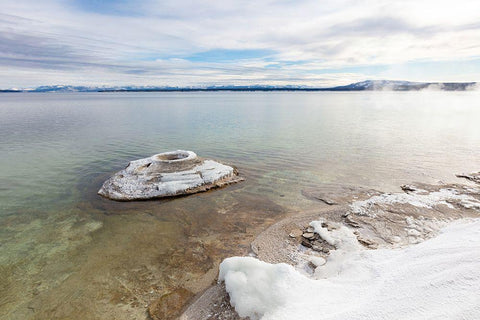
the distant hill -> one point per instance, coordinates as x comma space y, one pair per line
368, 85
381, 85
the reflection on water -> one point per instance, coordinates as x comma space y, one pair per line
66, 252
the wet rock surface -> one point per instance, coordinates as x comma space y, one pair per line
167, 174
475, 177
169, 305
334, 194
411, 216
214, 303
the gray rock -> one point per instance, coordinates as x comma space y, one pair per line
408, 188
295, 233
306, 243
309, 235
351, 222
366, 242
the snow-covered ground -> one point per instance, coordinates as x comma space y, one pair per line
436, 279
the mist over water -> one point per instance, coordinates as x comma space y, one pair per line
66, 252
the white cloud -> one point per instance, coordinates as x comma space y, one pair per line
55, 41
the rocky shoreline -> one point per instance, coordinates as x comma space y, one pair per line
378, 220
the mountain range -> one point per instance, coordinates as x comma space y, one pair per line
368, 85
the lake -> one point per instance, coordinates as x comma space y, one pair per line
67, 253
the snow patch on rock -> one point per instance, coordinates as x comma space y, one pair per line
165, 175
417, 199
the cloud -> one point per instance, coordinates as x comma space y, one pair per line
203, 42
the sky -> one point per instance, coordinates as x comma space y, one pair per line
230, 42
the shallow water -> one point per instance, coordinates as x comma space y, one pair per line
67, 253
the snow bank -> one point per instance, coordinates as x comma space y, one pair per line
436, 279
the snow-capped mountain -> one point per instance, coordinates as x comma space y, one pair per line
368, 85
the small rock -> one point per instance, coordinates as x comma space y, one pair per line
309, 235
311, 266
317, 261
366, 242
328, 201
307, 244
351, 222
295, 233
408, 188
310, 229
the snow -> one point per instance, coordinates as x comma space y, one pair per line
421, 228
212, 171
345, 243
428, 200
339, 236
436, 279
177, 182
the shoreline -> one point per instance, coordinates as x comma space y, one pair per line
379, 220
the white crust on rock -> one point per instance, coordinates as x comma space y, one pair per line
165, 175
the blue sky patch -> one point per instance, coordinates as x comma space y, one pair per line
228, 55
109, 7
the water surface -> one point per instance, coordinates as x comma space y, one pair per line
67, 253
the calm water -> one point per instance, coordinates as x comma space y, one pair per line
68, 254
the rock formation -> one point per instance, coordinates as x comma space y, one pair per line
167, 174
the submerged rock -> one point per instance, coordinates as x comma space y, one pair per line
169, 305
167, 174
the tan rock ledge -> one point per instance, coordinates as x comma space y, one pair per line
167, 174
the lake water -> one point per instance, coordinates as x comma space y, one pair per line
67, 253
